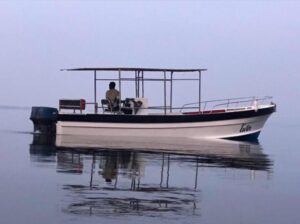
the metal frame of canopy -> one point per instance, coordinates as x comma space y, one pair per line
139, 81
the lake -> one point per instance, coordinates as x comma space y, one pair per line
50, 180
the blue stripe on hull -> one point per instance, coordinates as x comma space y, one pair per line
250, 137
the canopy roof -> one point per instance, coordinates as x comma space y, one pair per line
135, 69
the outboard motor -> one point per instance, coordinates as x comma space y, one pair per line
44, 119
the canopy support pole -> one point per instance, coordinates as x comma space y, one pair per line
138, 84
143, 84
165, 92
136, 74
120, 90
171, 92
95, 92
199, 90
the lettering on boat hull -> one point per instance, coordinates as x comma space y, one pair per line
245, 128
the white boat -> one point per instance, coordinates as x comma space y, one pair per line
235, 118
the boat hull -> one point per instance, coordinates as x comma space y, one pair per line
239, 126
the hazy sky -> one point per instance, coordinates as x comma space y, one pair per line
250, 48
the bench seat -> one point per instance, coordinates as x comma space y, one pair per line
72, 104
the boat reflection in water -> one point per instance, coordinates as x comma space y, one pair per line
115, 177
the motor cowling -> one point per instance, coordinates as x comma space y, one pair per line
44, 119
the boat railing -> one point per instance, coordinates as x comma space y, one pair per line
240, 103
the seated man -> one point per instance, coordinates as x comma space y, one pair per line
113, 96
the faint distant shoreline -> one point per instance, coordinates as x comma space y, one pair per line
10, 107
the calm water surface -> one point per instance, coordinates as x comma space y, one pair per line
44, 180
